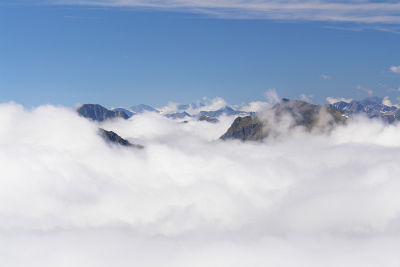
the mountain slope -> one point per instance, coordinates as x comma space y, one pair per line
248, 128
127, 112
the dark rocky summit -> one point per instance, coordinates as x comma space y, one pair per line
298, 113
99, 113
113, 138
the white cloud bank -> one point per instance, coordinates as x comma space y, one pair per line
339, 11
68, 199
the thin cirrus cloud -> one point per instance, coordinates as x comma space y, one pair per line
369, 12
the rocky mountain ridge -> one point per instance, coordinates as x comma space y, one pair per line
251, 126
99, 113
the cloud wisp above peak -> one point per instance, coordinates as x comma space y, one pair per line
306, 10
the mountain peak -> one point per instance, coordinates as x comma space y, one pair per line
97, 112
257, 127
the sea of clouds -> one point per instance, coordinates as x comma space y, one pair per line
187, 199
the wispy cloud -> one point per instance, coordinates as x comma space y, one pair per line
345, 11
362, 27
395, 69
365, 90
325, 77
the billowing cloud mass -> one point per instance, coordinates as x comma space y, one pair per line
255, 106
366, 11
332, 100
69, 199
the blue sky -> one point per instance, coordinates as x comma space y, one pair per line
120, 53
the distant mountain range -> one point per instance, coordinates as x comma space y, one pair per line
99, 113
372, 107
251, 126
228, 111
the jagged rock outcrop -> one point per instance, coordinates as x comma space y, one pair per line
113, 138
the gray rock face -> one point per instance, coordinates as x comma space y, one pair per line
258, 127
99, 113
248, 128
113, 138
